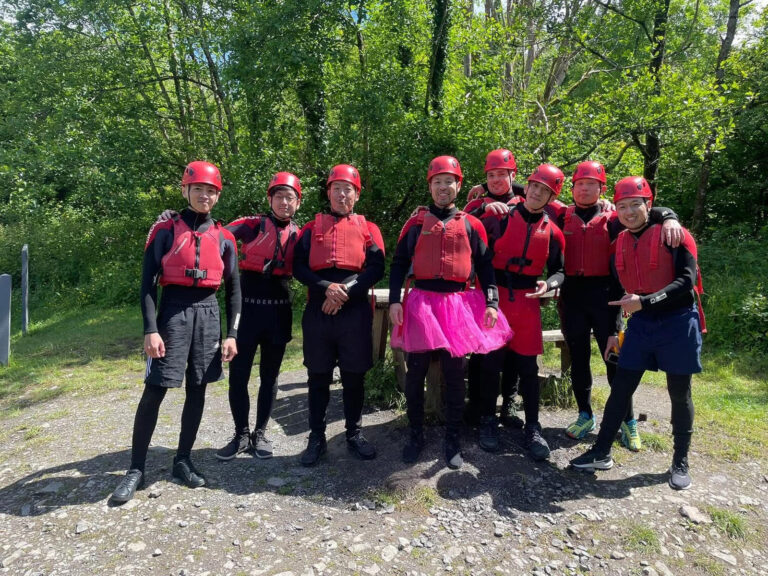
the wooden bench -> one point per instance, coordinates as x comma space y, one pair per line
434, 399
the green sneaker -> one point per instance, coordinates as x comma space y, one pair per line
630, 437
584, 425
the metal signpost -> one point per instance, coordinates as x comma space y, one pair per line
5, 318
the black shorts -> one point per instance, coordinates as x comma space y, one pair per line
192, 337
345, 339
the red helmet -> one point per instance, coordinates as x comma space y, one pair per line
345, 173
632, 187
199, 172
549, 175
285, 179
444, 165
590, 169
501, 159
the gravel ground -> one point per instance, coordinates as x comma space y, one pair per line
499, 514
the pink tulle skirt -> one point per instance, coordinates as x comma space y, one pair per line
451, 321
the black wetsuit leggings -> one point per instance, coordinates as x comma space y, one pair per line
146, 420
240, 374
623, 387
453, 372
353, 393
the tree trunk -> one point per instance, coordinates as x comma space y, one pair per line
706, 165
440, 28
658, 50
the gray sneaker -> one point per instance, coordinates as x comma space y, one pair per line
239, 443
262, 447
679, 478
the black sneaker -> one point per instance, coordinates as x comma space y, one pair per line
453, 452
488, 436
360, 447
316, 447
190, 476
592, 460
414, 446
132, 481
508, 415
239, 443
262, 447
679, 478
534, 442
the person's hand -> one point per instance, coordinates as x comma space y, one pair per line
611, 345
330, 307
629, 303
491, 315
673, 233
337, 294
475, 192
498, 208
167, 214
228, 349
396, 314
606, 205
541, 289
154, 345
416, 211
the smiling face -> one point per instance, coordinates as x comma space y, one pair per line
284, 202
343, 196
586, 192
633, 213
499, 181
201, 197
444, 188
537, 195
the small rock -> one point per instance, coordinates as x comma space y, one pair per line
388, 553
590, 515
402, 543
136, 546
727, 558
618, 555
648, 571
695, 515
276, 482
369, 504
662, 569
183, 523
157, 552
81, 527
155, 493
51, 488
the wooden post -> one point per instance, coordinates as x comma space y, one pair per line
5, 318
24, 289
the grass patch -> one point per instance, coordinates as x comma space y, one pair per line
640, 538
708, 565
732, 525
656, 442
32, 432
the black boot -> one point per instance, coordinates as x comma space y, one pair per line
453, 451
414, 446
184, 470
316, 447
488, 437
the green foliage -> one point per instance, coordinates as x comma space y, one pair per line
381, 389
732, 525
642, 539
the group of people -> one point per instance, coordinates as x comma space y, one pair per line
473, 283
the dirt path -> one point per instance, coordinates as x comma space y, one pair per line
500, 514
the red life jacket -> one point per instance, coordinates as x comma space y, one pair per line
339, 242
523, 248
442, 250
194, 258
272, 248
645, 265
587, 245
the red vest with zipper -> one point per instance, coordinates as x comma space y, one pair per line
339, 242
272, 244
442, 249
644, 264
587, 245
194, 258
523, 248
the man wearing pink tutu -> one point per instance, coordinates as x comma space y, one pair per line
524, 241
445, 248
